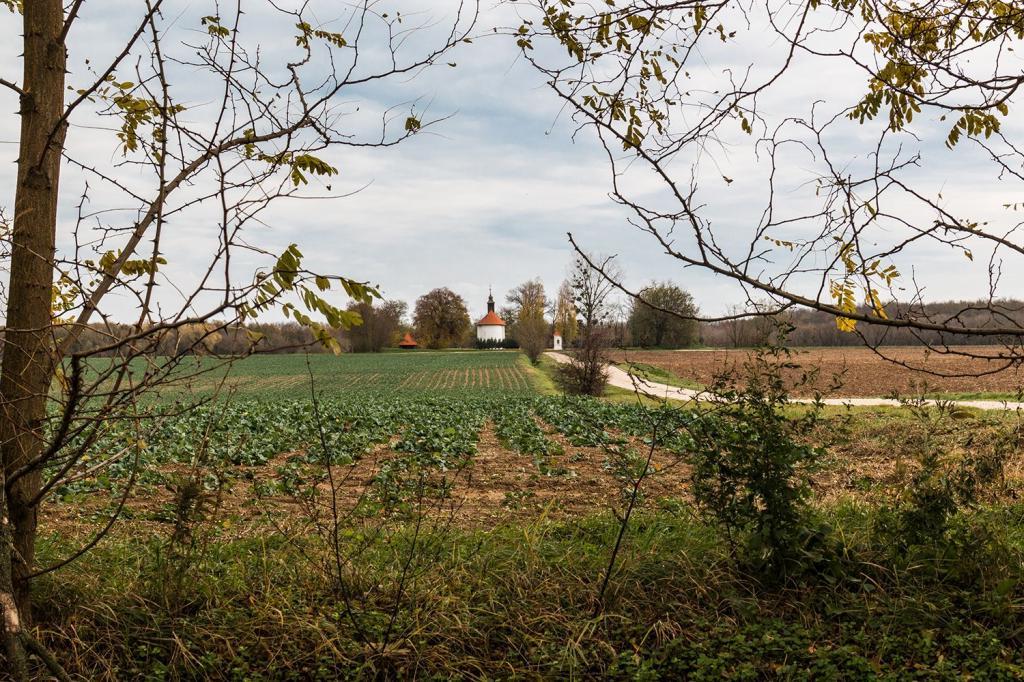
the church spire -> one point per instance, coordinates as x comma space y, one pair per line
490, 300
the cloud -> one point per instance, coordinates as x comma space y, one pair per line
485, 197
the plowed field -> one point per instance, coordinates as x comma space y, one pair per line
860, 371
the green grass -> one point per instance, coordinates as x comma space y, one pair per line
541, 375
288, 376
519, 601
976, 395
548, 369
658, 375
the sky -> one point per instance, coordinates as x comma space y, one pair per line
484, 199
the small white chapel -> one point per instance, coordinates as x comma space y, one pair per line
490, 327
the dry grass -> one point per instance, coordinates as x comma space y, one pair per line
508, 587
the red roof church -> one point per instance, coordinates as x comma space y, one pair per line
490, 327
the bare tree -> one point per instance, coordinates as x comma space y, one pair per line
833, 190
531, 329
592, 280
592, 290
264, 132
564, 313
379, 327
755, 324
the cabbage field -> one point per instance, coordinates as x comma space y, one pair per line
447, 515
385, 419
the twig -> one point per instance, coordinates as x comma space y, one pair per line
12, 86
624, 521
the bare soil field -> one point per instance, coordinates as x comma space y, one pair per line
860, 371
869, 457
496, 486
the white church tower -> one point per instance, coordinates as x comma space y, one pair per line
490, 327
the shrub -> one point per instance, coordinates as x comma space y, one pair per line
944, 484
585, 373
579, 377
750, 471
492, 344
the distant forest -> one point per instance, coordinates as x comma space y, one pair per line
807, 328
814, 328
212, 338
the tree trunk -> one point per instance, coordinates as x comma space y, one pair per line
28, 363
13, 646
660, 323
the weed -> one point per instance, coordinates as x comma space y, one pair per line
751, 471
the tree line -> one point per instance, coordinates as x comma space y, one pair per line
664, 318
440, 319
807, 327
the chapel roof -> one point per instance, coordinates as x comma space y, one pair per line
491, 318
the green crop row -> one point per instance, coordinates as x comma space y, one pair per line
467, 373
435, 431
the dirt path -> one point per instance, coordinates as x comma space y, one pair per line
621, 379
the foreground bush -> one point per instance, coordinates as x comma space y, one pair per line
492, 344
518, 602
751, 473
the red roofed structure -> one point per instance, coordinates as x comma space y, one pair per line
491, 318
408, 342
490, 327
